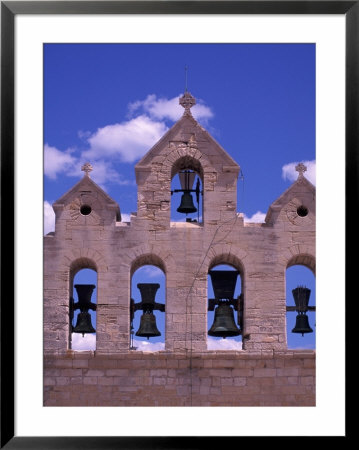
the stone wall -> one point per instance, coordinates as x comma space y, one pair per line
185, 374
176, 379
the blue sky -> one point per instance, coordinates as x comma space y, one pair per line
108, 104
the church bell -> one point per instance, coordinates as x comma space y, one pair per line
302, 325
187, 179
83, 322
187, 205
224, 325
148, 327
301, 297
148, 294
224, 284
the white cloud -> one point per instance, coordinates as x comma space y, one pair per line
127, 141
87, 342
147, 346
63, 162
202, 112
125, 217
223, 344
289, 172
49, 218
152, 271
83, 134
163, 108
103, 172
57, 161
258, 217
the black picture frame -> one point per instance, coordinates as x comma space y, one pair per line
9, 9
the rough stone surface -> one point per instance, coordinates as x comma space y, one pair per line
185, 252
175, 379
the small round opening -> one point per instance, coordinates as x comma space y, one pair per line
302, 211
85, 210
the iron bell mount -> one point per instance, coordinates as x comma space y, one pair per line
224, 283
301, 296
148, 327
83, 323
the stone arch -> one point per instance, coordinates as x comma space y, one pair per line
187, 162
303, 260
184, 156
223, 254
146, 253
147, 259
232, 260
88, 258
184, 163
77, 265
82, 263
229, 259
296, 278
77, 259
300, 255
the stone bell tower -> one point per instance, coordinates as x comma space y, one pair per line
89, 233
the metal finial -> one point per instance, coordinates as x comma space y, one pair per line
300, 168
185, 74
87, 168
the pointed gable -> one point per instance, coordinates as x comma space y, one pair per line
185, 130
187, 145
85, 186
297, 200
87, 203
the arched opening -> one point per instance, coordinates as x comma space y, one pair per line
147, 315
83, 303
225, 325
300, 320
187, 191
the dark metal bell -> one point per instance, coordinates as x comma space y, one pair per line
148, 327
224, 283
224, 324
84, 293
187, 206
302, 325
148, 294
83, 324
301, 296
